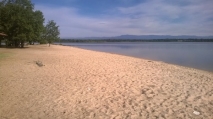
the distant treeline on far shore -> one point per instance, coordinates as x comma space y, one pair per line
132, 40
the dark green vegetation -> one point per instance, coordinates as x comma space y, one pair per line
23, 24
133, 40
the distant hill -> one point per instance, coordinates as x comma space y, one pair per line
154, 37
147, 37
161, 37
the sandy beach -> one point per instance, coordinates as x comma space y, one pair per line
61, 82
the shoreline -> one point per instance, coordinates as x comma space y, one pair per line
192, 61
139, 58
81, 83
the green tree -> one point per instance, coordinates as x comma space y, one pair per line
38, 27
20, 22
51, 33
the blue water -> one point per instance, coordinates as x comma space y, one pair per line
191, 54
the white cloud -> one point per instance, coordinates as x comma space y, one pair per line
152, 17
159, 17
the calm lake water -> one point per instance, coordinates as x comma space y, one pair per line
191, 54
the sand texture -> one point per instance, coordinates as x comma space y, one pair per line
60, 82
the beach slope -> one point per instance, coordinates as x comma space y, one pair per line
60, 82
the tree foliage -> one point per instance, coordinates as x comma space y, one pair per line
21, 22
37, 26
51, 33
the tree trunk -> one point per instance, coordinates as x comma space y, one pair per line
49, 44
16, 43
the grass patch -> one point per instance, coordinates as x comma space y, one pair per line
4, 55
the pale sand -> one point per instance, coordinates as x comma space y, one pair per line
77, 83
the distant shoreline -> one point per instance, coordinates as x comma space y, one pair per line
132, 40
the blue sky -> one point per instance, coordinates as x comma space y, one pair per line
98, 18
